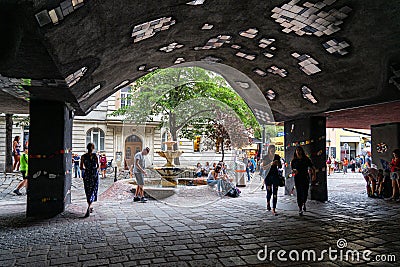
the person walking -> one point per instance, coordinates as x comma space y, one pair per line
16, 152
90, 174
139, 171
76, 160
23, 168
345, 165
103, 165
247, 163
271, 165
301, 164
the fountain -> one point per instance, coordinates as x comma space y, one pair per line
169, 172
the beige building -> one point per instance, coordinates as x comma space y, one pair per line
118, 139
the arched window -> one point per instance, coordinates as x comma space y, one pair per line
96, 136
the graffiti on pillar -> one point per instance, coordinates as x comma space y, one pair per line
381, 148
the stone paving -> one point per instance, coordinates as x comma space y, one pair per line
227, 232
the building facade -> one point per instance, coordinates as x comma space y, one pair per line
120, 139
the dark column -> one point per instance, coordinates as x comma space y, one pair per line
384, 135
50, 141
9, 141
310, 133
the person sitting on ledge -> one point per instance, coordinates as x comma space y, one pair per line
206, 169
199, 170
214, 178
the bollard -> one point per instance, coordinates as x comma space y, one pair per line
115, 174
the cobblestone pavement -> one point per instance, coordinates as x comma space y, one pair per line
228, 232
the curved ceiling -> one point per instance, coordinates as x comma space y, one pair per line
316, 56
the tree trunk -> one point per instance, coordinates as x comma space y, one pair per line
222, 149
9, 127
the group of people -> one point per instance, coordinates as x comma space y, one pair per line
384, 183
102, 164
203, 170
357, 164
301, 166
20, 163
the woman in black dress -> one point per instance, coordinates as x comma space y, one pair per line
271, 163
90, 175
300, 165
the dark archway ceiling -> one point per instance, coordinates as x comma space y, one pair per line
98, 36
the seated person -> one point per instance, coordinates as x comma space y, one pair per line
199, 170
206, 169
214, 177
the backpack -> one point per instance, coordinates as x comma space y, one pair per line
234, 192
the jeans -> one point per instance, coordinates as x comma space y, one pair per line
77, 171
216, 182
248, 174
302, 193
272, 190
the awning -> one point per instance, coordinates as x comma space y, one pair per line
250, 147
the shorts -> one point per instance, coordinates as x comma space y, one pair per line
24, 174
103, 168
139, 178
394, 175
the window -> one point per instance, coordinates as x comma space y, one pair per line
164, 139
96, 136
125, 93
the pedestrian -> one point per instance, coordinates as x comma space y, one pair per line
23, 167
139, 171
103, 165
76, 160
345, 165
301, 164
328, 165
271, 165
253, 165
16, 153
90, 174
247, 163
395, 173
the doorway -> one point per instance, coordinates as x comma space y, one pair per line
133, 144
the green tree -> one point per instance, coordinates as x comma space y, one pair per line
183, 96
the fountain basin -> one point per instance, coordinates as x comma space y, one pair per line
169, 175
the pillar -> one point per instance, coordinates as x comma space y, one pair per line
50, 142
309, 133
384, 139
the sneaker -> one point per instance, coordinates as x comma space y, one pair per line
143, 200
301, 213
136, 199
16, 191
